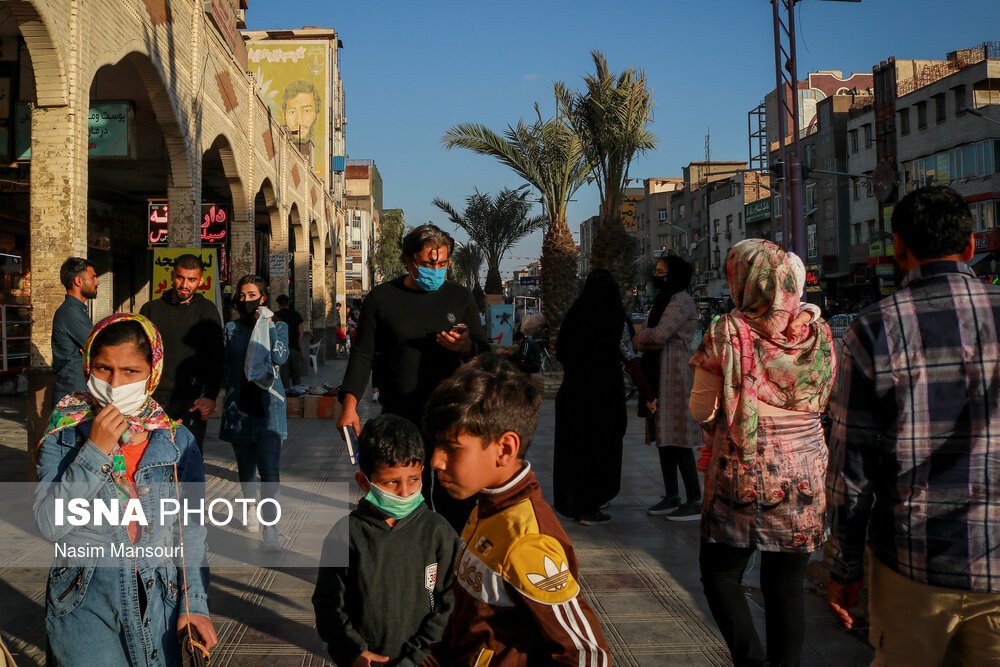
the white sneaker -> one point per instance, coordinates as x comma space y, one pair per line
272, 540
253, 525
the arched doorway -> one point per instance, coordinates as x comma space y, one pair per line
132, 129
222, 196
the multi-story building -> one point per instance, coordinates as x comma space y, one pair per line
655, 232
920, 131
726, 207
134, 126
364, 201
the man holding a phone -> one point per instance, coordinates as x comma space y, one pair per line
418, 328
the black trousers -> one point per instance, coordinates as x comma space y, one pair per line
192, 420
781, 576
673, 459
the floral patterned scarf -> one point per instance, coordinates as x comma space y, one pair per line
749, 349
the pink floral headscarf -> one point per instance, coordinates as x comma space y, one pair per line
749, 349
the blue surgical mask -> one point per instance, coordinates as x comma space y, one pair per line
391, 505
430, 280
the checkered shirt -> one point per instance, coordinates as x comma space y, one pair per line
915, 441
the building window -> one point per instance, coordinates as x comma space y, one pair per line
921, 115
939, 107
356, 222
856, 233
811, 242
729, 224
776, 207
682, 211
872, 231
661, 214
904, 122
960, 100
716, 227
739, 220
868, 187
810, 152
867, 128
856, 183
810, 197
356, 245
854, 140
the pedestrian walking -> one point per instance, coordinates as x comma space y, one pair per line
594, 340
292, 370
191, 329
420, 329
760, 395
71, 326
116, 440
253, 415
914, 455
666, 349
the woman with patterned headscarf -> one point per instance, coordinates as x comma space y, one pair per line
759, 388
113, 442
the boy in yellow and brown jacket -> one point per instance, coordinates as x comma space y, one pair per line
517, 600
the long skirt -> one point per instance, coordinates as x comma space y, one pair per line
590, 427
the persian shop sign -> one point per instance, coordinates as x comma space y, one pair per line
758, 210
109, 130
214, 224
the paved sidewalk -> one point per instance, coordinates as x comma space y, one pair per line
640, 573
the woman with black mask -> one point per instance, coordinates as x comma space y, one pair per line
666, 347
253, 416
594, 341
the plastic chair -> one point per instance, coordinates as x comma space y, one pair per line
314, 356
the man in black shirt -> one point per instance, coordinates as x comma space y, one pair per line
192, 348
421, 328
295, 329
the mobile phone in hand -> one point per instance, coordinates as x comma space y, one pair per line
351, 438
460, 329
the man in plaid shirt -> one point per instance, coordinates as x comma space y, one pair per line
915, 449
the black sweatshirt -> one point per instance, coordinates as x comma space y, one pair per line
396, 596
400, 325
192, 351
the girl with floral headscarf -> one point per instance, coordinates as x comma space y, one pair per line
762, 378
114, 442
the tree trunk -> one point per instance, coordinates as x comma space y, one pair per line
494, 284
559, 280
614, 250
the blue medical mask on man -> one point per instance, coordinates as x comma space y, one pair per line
391, 505
429, 279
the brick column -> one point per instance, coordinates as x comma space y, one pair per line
58, 227
241, 242
303, 300
184, 217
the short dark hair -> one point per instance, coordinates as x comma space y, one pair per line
518, 335
933, 221
389, 441
485, 398
427, 235
190, 262
124, 331
71, 268
282, 300
296, 88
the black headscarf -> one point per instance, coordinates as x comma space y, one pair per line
595, 320
678, 280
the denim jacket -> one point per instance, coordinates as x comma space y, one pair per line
237, 425
93, 613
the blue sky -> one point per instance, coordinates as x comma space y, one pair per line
411, 70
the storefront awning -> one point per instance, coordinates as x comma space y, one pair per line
978, 257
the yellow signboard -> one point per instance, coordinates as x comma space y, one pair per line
293, 79
163, 264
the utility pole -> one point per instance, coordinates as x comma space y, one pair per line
786, 89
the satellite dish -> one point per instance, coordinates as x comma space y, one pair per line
884, 180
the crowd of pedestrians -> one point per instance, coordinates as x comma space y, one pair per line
455, 558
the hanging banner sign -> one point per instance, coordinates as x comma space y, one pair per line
214, 224
163, 264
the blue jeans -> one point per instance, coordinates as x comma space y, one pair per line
262, 457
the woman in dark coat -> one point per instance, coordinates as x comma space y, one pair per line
594, 340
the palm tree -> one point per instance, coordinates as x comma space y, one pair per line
495, 225
466, 263
549, 156
611, 118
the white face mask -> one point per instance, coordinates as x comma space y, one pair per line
128, 398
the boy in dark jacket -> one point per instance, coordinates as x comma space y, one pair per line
394, 599
517, 596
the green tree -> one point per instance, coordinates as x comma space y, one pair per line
389, 245
466, 264
495, 225
549, 156
611, 117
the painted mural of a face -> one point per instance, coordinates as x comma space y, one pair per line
300, 102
